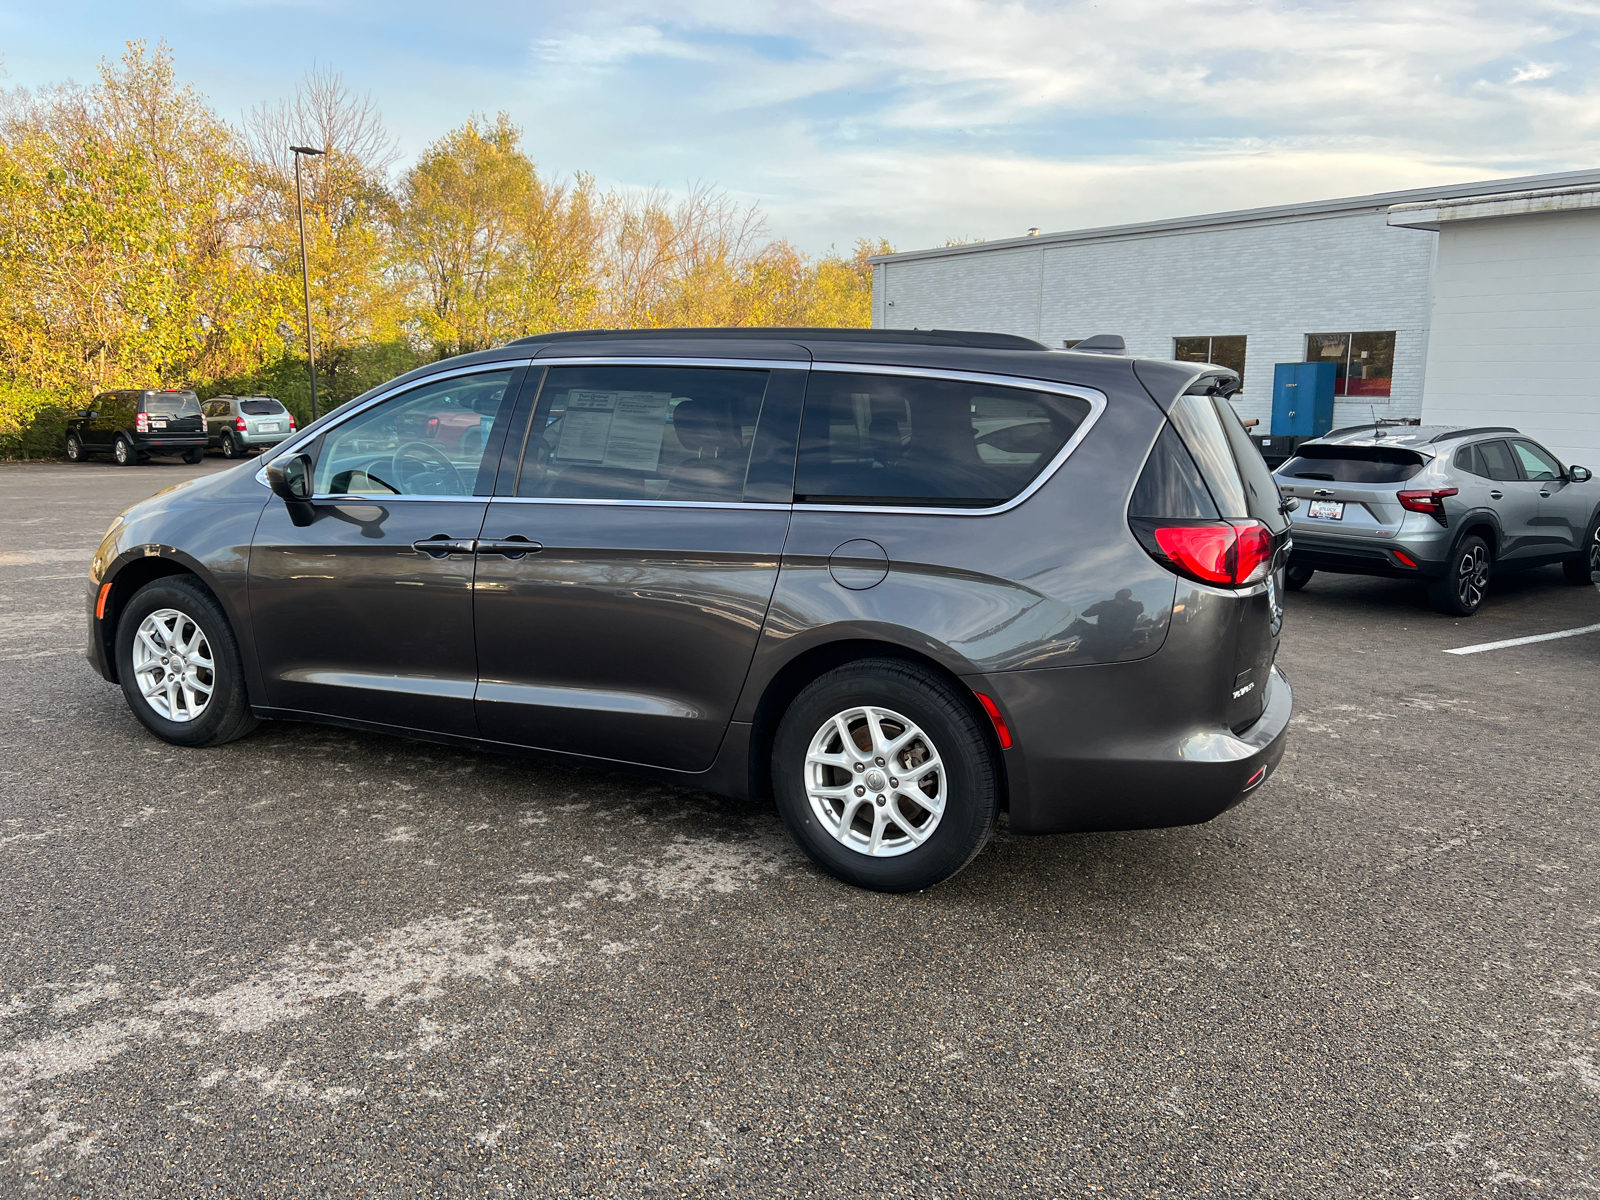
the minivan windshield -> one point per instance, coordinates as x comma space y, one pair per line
1353, 464
171, 404
260, 408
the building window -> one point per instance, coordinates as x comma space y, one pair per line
1224, 351
1363, 362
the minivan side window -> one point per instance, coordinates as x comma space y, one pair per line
428, 441
902, 440
642, 433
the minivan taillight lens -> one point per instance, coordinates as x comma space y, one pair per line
1430, 502
141, 423
1227, 553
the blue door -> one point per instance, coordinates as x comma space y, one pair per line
1302, 399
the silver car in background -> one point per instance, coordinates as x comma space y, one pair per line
1447, 505
237, 425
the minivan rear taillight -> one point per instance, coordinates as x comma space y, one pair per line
141, 423
1227, 553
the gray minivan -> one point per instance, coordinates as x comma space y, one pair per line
896, 581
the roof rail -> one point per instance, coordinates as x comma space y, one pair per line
1473, 432
971, 339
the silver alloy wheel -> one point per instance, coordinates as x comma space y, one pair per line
74, 448
172, 665
1594, 551
875, 781
1472, 576
122, 452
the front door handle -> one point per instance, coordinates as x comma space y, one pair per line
442, 545
1546, 495
515, 546
1496, 495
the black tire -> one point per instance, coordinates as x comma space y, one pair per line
1465, 583
123, 453
226, 715
193, 456
75, 451
1295, 578
1583, 568
230, 448
958, 735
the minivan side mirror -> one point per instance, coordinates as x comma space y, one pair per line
290, 481
1579, 474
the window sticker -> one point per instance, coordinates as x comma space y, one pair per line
614, 429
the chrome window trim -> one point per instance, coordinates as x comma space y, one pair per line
1097, 405
1095, 398
741, 505
754, 364
289, 445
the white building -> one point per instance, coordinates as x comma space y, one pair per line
1494, 320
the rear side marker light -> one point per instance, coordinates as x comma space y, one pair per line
993, 709
1223, 552
1430, 502
1405, 560
1261, 773
100, 605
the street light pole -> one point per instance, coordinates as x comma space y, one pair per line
305, 273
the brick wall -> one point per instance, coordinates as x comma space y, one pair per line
1273, 282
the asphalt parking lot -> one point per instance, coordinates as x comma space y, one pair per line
332, 964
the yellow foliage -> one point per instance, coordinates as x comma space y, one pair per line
146, 242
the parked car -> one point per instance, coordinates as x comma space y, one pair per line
1442, 504
896, 581
237, 425
132, 424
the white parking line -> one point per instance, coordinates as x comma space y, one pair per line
1540, 637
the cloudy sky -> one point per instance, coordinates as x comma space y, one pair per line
920, 121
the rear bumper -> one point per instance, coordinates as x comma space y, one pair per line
1103, 748
169, 445
1369, 557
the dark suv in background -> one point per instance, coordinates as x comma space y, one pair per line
897, 581
132, 424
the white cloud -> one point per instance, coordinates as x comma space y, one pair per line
982, 118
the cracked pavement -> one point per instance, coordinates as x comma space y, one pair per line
321, 963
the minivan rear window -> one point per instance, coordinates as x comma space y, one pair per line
259, 408
1234, 470
1353, 464
171, 404
902, 440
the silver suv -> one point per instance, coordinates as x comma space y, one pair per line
237, 425
1448, 505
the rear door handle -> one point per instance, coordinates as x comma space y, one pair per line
515, 546
1496, 495
442, 545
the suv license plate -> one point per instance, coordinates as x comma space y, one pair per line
270, 426
1326, 510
